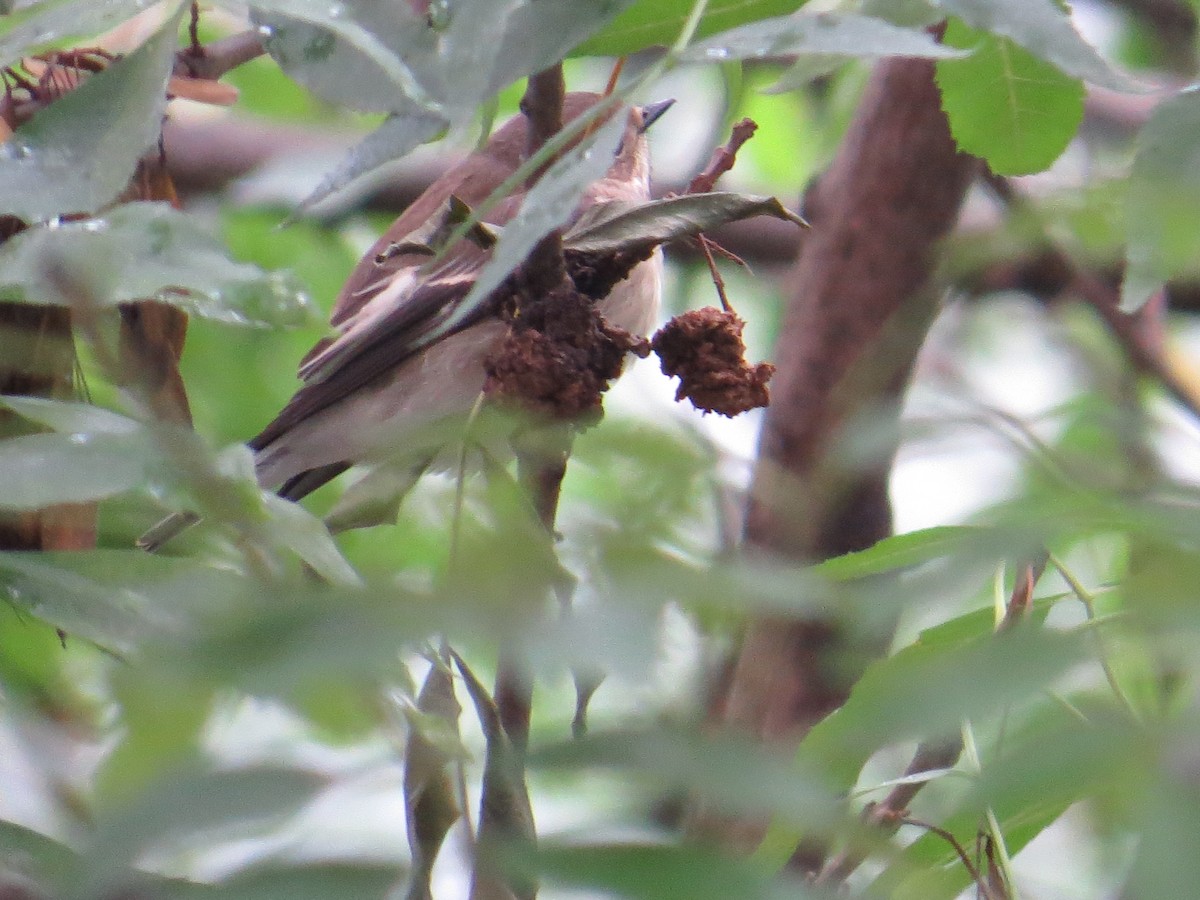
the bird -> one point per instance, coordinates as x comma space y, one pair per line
377, 385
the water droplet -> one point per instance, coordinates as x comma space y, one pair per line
79, 439
266, 32
95, 225
336, 11
15, 150
717, 53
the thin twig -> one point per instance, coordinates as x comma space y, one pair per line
723, 158
211, 61
196, 49
887, 814
947, 836
718, 282
721, 161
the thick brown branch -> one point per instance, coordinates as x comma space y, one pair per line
541, 469
542, 106
859, 310
211, 61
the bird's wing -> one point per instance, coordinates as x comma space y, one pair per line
382, 335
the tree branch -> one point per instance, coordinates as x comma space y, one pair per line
858, 314
540, 467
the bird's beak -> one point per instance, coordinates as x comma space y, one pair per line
652, 112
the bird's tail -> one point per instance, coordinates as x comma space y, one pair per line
153, 539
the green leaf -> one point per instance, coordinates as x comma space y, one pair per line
1016, 111
1043, 766
660, 872
349, 52
621, 226
294, 527
79, 153
310, 881
825, 34
52, 21
538, 33
1162, 218
147, 251
731, 773
46, 469
175, 809
61, 415
900, 551
1044, 29
650, 23
383, 57
97, 595
29, 852
396, 137
927, 689
374, 499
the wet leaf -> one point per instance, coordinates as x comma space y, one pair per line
349, 52
79, 152
57, 20
650, 23
46, 469
61, 415
143, 251
824, 34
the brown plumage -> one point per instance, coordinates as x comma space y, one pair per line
375, 391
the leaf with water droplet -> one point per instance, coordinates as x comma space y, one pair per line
44, 469
60, 415
351, 53
650, 23
53, 22
148, 251
79, 152
846, 35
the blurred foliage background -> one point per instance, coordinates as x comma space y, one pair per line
214, 722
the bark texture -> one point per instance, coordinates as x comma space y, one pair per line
859, 307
